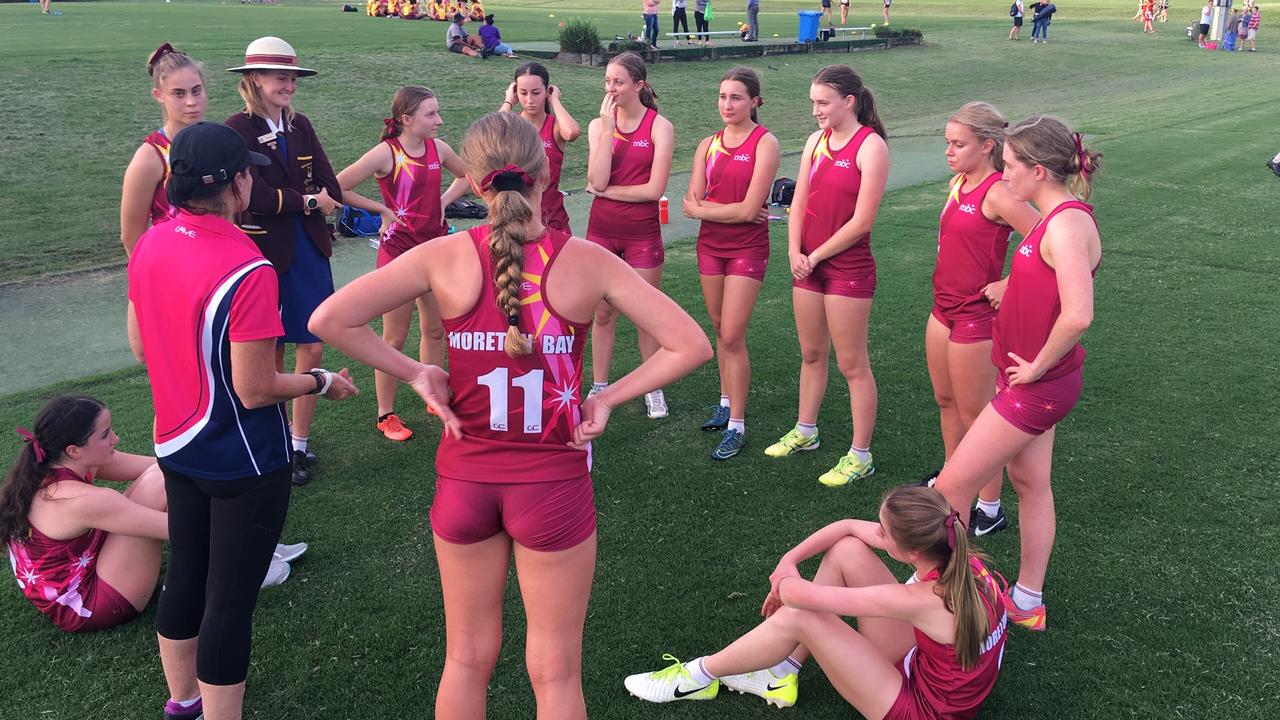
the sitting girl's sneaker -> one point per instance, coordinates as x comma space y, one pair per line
780, 691
1035, 619
669, 684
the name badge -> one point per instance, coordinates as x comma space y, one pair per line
268, 138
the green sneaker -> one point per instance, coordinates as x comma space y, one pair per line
849, 468
780, 691
669, 684
791, 443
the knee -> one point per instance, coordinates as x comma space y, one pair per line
474, 656
813, 356
552, 668
433, 332
850, 552
605, 316
395, 338
311, 353
733, 343
148, 489
858, 369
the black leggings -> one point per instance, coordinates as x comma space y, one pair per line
679, 18
222, 534
700, 22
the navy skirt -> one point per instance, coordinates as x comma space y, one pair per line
302, 289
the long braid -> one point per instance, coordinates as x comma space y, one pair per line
509, 211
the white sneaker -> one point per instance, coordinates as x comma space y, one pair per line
669, 684
289, 553
780, 691
655, 405
277, 573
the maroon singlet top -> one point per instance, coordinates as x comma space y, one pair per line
632, 162
834, 182
553, 213
728, 176
971, 250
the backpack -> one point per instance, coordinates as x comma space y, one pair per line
466, 209
783, 190
355, 222
1013, 10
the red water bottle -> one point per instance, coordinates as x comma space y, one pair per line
664, 216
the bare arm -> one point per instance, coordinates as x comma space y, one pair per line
135, 336
456, 167
1071, 247
257, 384
600, 149
768, 157
125, 467
873, 163
105, 509
566, 127
144, 174
889, 601
664, 138
374, 163
1002, 207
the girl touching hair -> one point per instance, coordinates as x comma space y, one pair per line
407, 165
512, 471
930, 647
539, 103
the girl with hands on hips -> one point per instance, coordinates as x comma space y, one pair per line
930, 647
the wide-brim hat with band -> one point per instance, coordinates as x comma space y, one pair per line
271, 53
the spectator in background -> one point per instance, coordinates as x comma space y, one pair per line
492, 40
826, 10
701, 22
1016, 10
753, 21
1254, 18
650, 11
1206, 16
1042, 13
457, 39
679, 17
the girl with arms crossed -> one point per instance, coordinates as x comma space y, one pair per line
407, 164
733, 172
973, 240
627, 171
838, 190
513, 472
1035, 345
927, 648
539, 103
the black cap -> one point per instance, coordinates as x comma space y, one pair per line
212, 153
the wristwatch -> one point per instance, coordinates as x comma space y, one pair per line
310, 202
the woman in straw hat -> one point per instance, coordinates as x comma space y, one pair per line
291, 199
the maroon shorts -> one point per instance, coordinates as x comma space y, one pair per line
543, 516
1036, 407
827, 282
966, 328
639, 254
742, 266
107, 608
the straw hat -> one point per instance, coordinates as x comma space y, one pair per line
271, 53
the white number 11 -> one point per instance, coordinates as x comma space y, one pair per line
530, 383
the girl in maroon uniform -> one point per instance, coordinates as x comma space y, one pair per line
407, 164
537, 98
178, 85
927, 649
842, 175
733, 172
627, 171
1045, 310
973, 240
513, 469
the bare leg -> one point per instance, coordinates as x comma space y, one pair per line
713, 297
178, 659
555, 587
131, 564
223, 702
309, 355
936, 345
472, 578
990, 443
731, 340
815, 351
431, 327
1037, 521
395, 328
603, 333
648, 346
973, 379
847, 322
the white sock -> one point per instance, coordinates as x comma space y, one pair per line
990, 508
698, 672
724, 401
739, 425
1026, 599
863, 454
185, 703
1276, 159
299, 444
785, 668
806, 429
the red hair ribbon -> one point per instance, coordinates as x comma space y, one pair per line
952, 519
391, 125
28, 437
512, 171
1084, 156
160, 52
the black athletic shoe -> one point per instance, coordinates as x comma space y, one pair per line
719, 420
301, 468
980, 525
1275, 166
930, 479
311, 457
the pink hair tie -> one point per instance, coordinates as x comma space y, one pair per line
511, 177
30, 438
951, 529
1081, 154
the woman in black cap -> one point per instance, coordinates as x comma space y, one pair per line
205, 304
292, 197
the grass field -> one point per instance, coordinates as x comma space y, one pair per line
1164, 599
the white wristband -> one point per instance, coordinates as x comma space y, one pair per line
328, 380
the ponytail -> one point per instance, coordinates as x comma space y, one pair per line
848, 83
1052, 144
508, 212
406, 102
867, 114
648, 96
921, 521
63, 421
635, 67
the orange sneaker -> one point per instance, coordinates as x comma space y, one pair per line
1034, 619
393, 429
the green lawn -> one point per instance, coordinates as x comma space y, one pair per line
1163, 596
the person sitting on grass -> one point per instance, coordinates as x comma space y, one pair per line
435, 10
927, 648
87, 556
475, 13
457, 39
492, 39
409, 10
